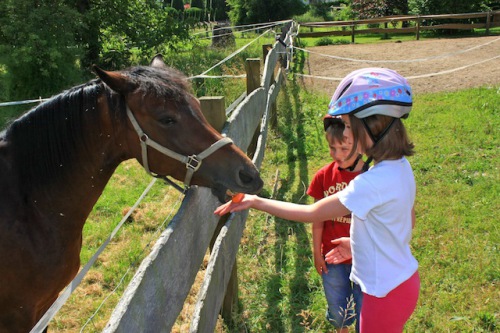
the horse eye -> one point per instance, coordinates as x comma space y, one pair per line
167, 121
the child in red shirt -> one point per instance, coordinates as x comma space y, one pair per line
343, 296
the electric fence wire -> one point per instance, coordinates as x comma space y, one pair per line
68, 291
445, 55
267, 26
450, 54
231, 55
256, 27
133, 265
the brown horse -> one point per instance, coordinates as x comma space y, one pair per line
56, 160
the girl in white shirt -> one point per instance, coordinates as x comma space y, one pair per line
371, 102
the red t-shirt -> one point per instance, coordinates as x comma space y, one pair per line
327, 181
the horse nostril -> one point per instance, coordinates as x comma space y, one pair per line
250, 180
245, 177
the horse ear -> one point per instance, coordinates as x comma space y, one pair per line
158, 61
115, 80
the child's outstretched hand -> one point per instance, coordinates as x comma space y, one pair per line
340, 253
232, 206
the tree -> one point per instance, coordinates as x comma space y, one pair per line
220, 9
131, 31
259, 11
198, 4
433, 7
49, 45
364, 9
88, 35
38, 47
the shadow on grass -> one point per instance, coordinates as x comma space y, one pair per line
297, 293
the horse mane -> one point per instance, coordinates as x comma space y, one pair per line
44, 141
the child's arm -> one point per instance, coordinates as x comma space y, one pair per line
319, 261
325, 209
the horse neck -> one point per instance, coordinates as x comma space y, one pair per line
72, 197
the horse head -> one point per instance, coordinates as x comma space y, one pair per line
168, 134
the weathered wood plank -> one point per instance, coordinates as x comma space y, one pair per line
218, 274
245, 118
270, 65
157, 292
223, 256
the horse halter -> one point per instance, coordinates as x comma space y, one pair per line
192, 162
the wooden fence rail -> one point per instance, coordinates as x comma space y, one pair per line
484, 20
157, 292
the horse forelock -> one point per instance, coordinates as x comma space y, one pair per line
161, 82
45, 140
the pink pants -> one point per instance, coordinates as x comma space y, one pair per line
390, 313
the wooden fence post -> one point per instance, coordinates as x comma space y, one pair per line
488, 22
230, 302
213, 109
418, 27
353, 30
252, 67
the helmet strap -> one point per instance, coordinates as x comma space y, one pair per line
379, 137
366, 166
353, 166
375, 139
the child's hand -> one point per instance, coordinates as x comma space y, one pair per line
340, 253
320, 264
233, 206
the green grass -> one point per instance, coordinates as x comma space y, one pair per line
456, 237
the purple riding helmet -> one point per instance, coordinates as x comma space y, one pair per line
371, 91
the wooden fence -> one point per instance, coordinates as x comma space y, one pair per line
410, 24
157, 292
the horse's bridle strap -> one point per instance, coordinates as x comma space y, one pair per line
192, 162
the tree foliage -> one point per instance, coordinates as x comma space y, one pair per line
219, 10
376, 8
49, 45
434, 7
132, 31
364, 9
38, 47
259, 11
198, 3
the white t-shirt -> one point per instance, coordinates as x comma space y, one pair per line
381, 201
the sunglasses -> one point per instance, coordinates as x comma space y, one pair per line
330, 120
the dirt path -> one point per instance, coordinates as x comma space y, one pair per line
469, 62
